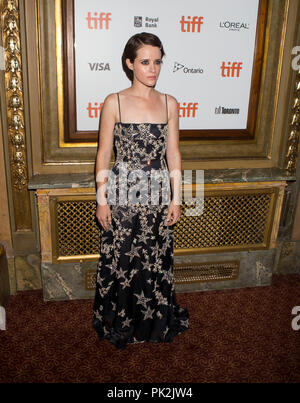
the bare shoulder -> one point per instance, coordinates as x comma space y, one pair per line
110, 106
172, 100
110, 100
172, 105
125, 92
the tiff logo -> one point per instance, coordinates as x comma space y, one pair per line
188, 25
231, 70
94, 111
98, 20
187, 111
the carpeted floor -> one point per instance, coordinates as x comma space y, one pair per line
241, 335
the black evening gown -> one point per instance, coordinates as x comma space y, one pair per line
135, 298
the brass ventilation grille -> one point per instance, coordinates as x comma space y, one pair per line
90, 279
76, 228
229, 221
238, 220
199, 272
189, 273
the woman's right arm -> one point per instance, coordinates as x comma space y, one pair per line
107, 122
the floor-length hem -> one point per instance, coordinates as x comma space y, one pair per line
120, 340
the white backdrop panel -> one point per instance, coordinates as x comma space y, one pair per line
227, 34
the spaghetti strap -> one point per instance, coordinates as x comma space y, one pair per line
167, 107
119, 107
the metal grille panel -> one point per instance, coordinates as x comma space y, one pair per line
77, 230
201, 272
230, 221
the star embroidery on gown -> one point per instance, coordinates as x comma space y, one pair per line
159, 315
168, 276
160, 299
148, 313
184, 322
157, 264
120, 273
126, 322
131, 131
133, 272
133, 252
104, 290
166, 331
122, 313
142, 299
126, 283
98, 316
155, 249
143, 238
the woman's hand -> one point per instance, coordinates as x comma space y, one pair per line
174, 213
103, 215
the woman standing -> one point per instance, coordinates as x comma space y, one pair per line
135, 297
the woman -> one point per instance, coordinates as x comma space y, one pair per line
135, 297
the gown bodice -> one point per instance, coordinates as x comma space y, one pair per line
138, 143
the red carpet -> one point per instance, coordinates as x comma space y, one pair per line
241, 335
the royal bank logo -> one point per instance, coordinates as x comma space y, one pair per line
222, 110
138, 22
233, 25
147, 22
185, 69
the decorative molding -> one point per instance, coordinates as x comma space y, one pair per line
10, 22
293, 141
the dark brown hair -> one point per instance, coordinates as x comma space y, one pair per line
134, 44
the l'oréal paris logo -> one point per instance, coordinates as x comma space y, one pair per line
234, 26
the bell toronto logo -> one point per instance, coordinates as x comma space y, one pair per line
99, 20
226, 111
231, 70
191, 24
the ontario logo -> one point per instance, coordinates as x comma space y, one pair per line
185, 69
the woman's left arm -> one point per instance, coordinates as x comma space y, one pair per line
174, 161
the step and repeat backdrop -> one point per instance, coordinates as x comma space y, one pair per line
208, 65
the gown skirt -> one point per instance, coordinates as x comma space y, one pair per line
135, 299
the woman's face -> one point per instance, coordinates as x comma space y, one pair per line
146, 66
